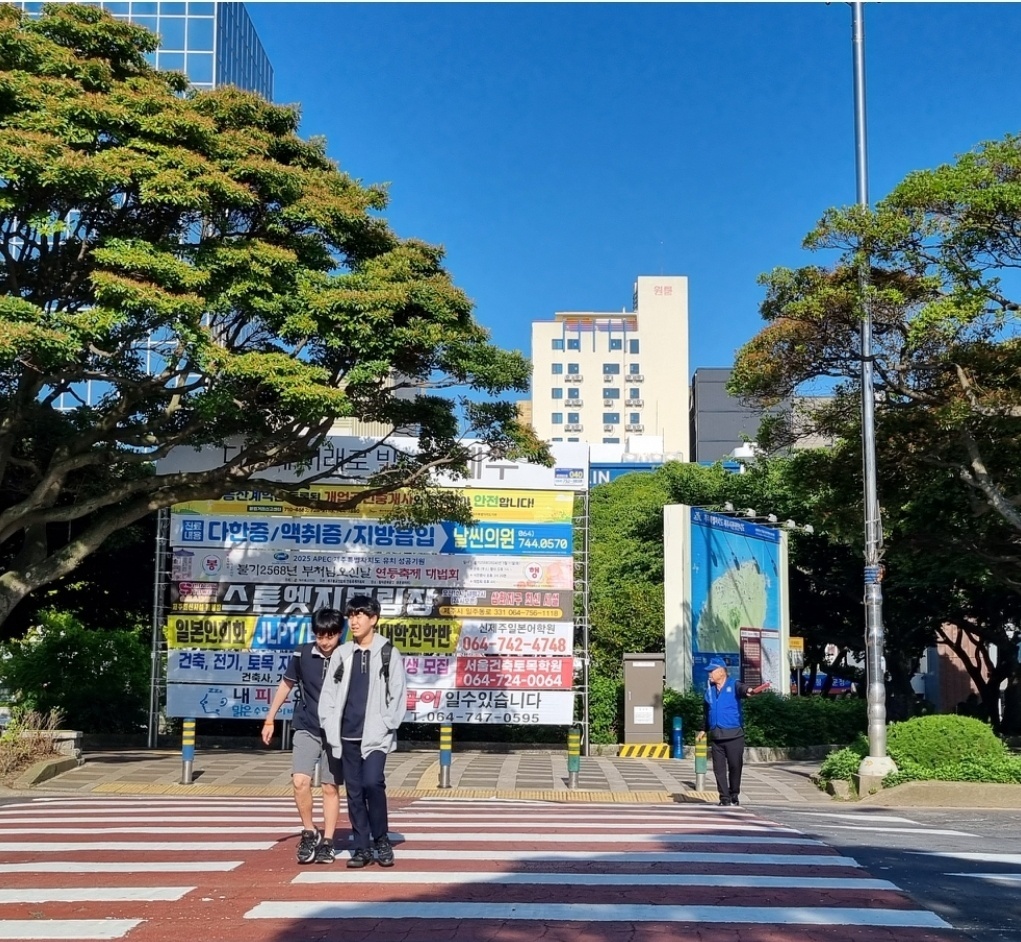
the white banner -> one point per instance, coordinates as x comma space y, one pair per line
222, 668
251, 563
350, 460
546, 707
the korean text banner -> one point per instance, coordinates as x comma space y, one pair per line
546, 707
486, 505
346, 459
252, 563
224, 701
370, 536
450, 635
254, 598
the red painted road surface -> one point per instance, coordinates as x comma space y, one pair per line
223, 870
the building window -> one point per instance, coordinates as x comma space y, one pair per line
558, 393
634, 394
575, 439
558, 344
573, 369
636, 418
632, 346
611, 393
557, 439
611, 418
558, 418
573, 344
610, 368
574, 393
558, 368
634, 369
608, 441
573, 418
616, 343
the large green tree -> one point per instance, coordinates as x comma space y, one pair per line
181, 268
942, 252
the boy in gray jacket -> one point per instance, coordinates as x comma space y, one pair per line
360, 712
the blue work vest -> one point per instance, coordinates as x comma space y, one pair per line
724, 708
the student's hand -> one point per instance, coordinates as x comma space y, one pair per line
699, 736
267, 731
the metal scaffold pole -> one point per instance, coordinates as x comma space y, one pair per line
159, 648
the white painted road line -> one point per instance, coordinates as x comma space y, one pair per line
915, 830
429, 878
544, 837
95, 894
602, 912
127, 866
54, 847
636, 857
73, 929
857, 816
1004, 879
1008, 860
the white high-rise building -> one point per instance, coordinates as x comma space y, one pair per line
618, 379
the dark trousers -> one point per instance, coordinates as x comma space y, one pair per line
728, 756
365, 785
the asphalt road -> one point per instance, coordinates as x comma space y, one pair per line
963, 865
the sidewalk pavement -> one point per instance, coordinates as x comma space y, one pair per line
528, 775
524, 774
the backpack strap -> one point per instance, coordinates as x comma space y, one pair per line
386, 653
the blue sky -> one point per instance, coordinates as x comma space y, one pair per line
557, 151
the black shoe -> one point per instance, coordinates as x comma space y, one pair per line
384, 852
310, 840
725, 802
325, 853
362, 857
734, 800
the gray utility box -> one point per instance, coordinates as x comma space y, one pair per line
644, 676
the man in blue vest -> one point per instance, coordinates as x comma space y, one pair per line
724, 723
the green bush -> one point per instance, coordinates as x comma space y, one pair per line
930, 742
98, 679
771, 720
606, 707
945, 748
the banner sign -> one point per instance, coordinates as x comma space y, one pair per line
546, 707
238, 632
498, 673
227, 667
250, 563
225, 701
486, 505
353, 460
347, 535
253, 598
448, 635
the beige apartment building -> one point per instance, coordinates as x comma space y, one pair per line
617, 379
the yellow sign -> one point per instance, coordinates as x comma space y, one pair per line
486, 505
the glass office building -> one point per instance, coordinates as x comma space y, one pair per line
212, 42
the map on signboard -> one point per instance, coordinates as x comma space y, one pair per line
734, 581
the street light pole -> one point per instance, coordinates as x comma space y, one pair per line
877, 764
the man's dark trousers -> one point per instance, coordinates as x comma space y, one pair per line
728, 756
366, 793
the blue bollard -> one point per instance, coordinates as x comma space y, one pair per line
677, 751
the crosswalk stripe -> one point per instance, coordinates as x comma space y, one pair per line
127, 866
501, 878
637, 857
1005, 859
914, 830
66, 928
857, 816
541, 837
95, 894
600, 912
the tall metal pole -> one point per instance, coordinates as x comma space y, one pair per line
877, 764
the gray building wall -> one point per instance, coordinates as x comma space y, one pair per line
719, 423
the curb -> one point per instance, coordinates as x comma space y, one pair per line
44, 770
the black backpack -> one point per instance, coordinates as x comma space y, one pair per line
386, 653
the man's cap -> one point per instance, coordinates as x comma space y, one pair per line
717, 662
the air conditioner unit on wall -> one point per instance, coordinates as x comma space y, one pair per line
608, 428
573, 427
608, 402
637, 403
